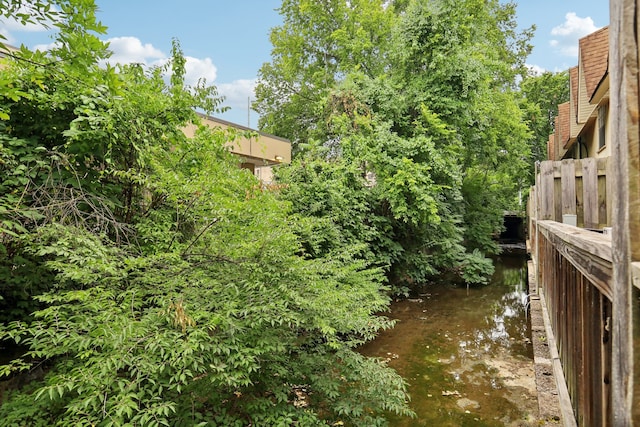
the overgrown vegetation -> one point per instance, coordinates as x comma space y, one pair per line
422, 99
148, 278
150, 281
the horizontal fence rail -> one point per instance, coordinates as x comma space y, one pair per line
570, 234
575, 272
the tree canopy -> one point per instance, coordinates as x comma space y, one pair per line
148, 280
433, 117
542, 94
145, 279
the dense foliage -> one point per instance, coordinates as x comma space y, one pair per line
421, 108
542, 95
149, 280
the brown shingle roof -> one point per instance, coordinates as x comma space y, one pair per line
564, 123
594, 56
573, 81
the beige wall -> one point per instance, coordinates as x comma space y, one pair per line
601, 98
606, 150
585, 108
585, 124
590, 140
590, 133
3, 55
265, 174
261, 150
258, 154
575, 127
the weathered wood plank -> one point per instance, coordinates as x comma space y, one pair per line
590, 192
575, 292
557, 193
568, 187
588, 252
568, 419
603, 219
579, 198
609, 190
606, 364
531, 205
625, 138
597, 244
578, 164
538, 197
546, 191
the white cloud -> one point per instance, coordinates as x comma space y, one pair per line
10, 26
535, 70
237, 93
46, 47
574, 25
197, 69
128, 50
569, 32
8, 38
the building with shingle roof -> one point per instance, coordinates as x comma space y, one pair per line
582, 127
594, 56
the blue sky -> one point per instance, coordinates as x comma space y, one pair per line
227, 41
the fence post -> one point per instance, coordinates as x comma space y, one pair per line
546, 191
623, 66
568, 180
590, 192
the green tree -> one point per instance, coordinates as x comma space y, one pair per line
542, 94
464, 68
318, 44
34, 170
165, 285
425, 119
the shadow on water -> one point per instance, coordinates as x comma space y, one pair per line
466, 353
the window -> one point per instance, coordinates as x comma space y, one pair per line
603, 112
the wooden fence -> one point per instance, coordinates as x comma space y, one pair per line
574, 271
593, 285
576, 274
575, 187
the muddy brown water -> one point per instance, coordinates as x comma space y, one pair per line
465, 353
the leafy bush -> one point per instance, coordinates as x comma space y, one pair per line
167, 286
476, 268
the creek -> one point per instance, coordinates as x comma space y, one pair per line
466, 353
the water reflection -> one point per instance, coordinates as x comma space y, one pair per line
466, 353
